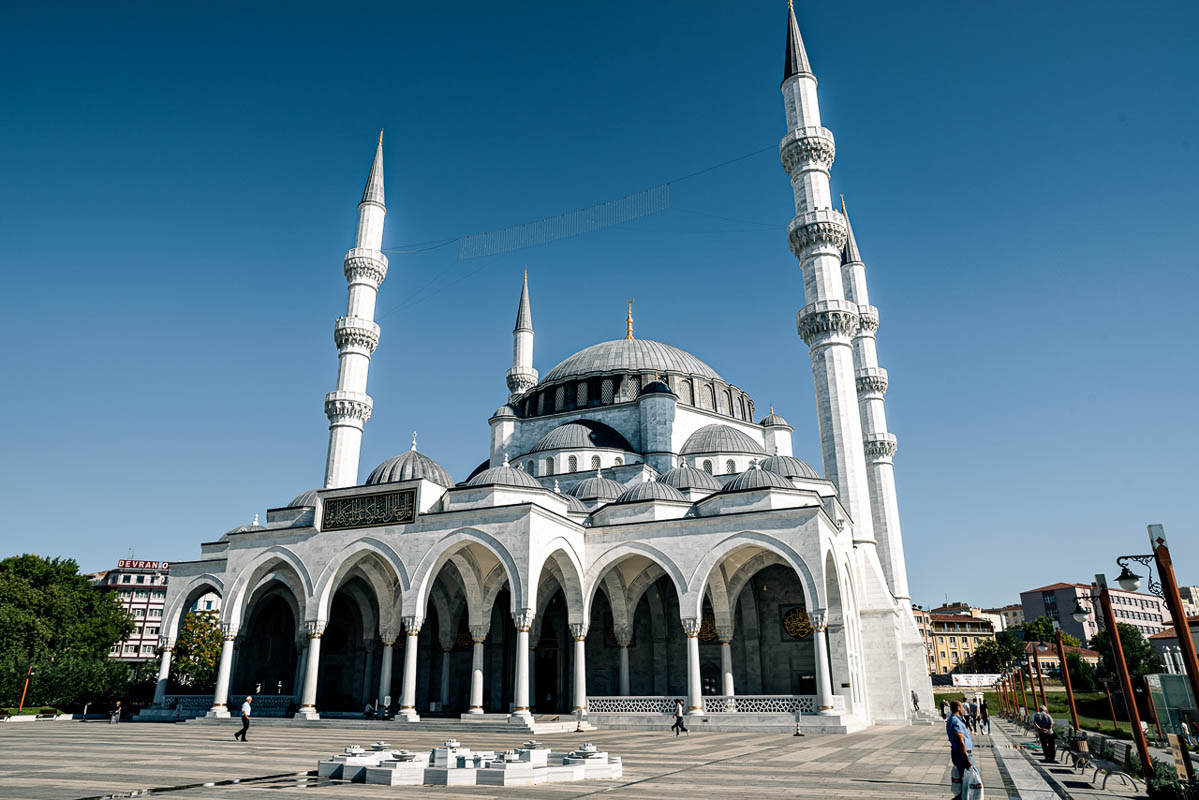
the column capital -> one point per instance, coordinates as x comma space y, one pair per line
389, 633
478, 633
315, 628
578, 631
412, 624
691, 626
228, 631
819, 619
523, 619
623, 635
724, 633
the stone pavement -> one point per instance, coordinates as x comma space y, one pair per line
1066, 781
76, 760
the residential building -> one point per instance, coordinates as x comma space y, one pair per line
1146, 612
1012, 615
141, 588
924, 625
954, 637
1047, 655
1190, 600
1166, 645
965, 608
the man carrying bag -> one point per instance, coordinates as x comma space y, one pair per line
965, 779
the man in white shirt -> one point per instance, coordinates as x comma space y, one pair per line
245, 719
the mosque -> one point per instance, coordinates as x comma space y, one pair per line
632, 536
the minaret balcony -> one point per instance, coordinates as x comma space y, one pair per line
880, 447
355, 334
827, 320
869, 315
822, 227
348, 407
810, 146
365, 266
871, 380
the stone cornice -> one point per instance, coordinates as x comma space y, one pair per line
365, 266
356, 334
343, 407
871, 380
825, 320
869, 317
880, 446
823, 228
813, 145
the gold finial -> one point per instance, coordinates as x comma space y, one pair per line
789, 6
842, 204
772, 409
628, 322
380, 137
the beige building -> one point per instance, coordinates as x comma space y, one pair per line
924, 625
1190, 600
997, 620
1012, 615
953, 638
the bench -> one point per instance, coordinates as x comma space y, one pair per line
1109, 767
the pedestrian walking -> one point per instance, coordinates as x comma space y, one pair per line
984, 716
678, 720
114, 716
1044, 725
974, 715
245, 719
961, 754
944, 709
915, 702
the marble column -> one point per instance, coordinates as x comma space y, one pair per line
389, 636
523, 620
578, 632
412, 627
726, 667
478, 634
824, 678
368, 670
695, 700
166, 646
297, 681
220, 698
312, 665
445, 678
624, 637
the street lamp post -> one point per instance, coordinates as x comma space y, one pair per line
1130, 703
1023, 697
1061, 655
1169, 593
1040, 676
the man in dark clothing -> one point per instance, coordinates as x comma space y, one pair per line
960, 747
1044, 725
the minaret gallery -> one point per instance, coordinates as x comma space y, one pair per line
356, 334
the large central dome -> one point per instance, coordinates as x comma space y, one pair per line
630, 355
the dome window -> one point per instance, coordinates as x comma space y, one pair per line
581, 395
730, 466
560, 398
595, 462
619, 461
549, 466
606, 392
708, 466
688, 393
573, 464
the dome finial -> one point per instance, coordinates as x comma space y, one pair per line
772, 408
414, 440
628, 322
505, 459
557, 488
255, 522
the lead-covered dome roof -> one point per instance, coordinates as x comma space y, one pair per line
408, 466
754, 478
629, 355
788, 467
305, 500
505, 476
581, 434
684, 477
597, 487
718, 438
650, 490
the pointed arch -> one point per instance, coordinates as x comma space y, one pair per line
276, 557
813, 590
426, 572
620, 552
193, 588
568, 569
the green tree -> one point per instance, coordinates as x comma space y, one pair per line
1038, 630
1083, 676
48, 608
197, 652
1071, 641
1138, 653
987, 657
1011, 647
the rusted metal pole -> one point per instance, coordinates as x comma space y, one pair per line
1040, 678
1130, 701
1061, 654
1182, 628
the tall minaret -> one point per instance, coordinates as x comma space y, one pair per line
356, 334
880, 445
522, 377
828, 321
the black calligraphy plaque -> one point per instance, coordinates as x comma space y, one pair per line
369, 510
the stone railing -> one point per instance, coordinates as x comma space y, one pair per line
715, 704
189, 706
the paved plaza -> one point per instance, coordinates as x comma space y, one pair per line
76, 760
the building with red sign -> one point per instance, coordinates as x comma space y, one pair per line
141, 588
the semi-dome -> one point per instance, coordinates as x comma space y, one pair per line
306, 500
408, 466
684, 477
754, 478
629, 355
718, 438
505, 475
597, 488
650, 490
580, 434
788, 467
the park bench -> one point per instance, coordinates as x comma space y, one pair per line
1116, 765
45, 714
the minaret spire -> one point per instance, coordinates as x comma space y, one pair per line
522, 377
356, 334
797, 57
850, 254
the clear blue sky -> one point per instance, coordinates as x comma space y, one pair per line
179, 185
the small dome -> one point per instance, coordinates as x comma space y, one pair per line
684, 477
718, 438
581, 434
575, 505
597, 488
772, 420
505, 476
788, 467
504, 411
755, 478
253, 526
408, 466
650, 490
656, 387
306, 500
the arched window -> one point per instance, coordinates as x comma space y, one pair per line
573, 464
532, 468
549, 466
741, 402
560, 398
730, 466
541, 403
619, 461
688, 393
726, 402
606, 392
581, 395
708, 398
707, 466
595, 462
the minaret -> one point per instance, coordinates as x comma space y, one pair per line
522, 377
356, 334
880, 445
827, 321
